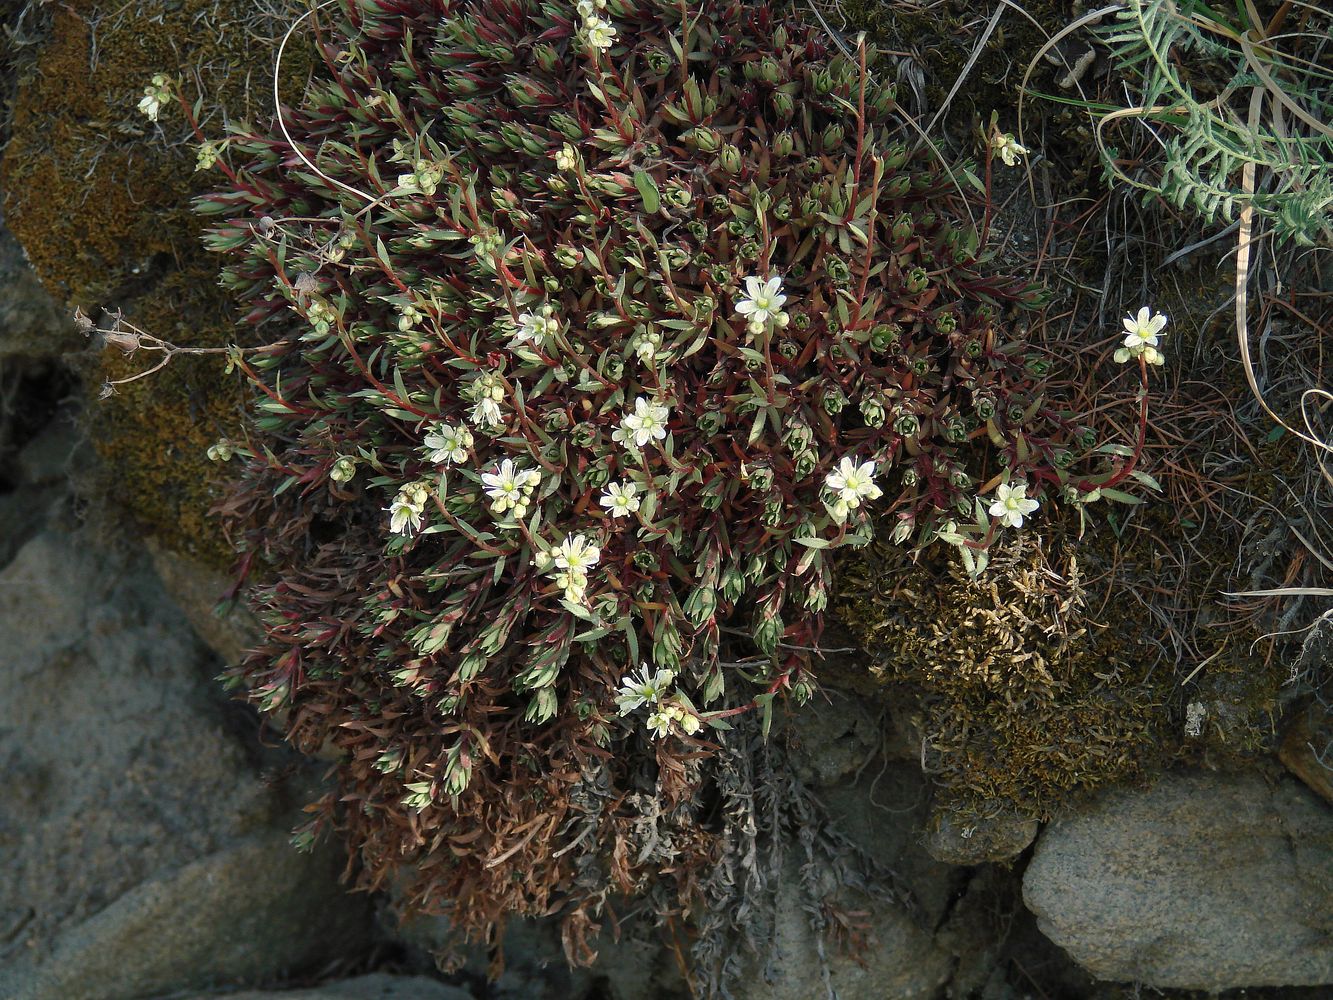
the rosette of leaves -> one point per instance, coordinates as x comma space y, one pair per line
478, 203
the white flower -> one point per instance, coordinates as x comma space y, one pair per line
601, 33
643, 688
647, 423
534, 328
407, 507
486, 414
620, 499
566, 158
589, 8
1011, 504
1143, 333
576, 554
645, 344
156, 94
659, 724
448, 443
763, 302
853, 483
1008, 148
1142, 330
510, 488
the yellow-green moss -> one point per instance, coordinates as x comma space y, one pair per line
101, 203
1047, 677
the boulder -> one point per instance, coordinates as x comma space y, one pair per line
1203, 882
140, 851
998, 838
375, 987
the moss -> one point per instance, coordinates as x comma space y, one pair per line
100, 201
940, 39
1051, 675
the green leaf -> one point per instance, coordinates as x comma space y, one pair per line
652, 200
1120, 497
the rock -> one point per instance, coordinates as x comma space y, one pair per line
375, 987
1204, 882
1305, 748
873, 947
876, 949
634, 968
31, 325
198, 589
139, 852
998, 838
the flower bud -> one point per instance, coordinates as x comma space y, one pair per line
706, 140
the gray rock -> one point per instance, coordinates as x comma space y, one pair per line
375, 987
31, 325
872, 949
1204, 881
139, 851
636, 967
998, 838
198, 590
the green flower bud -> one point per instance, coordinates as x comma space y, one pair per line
645, 560
730, 159
884, 336
767, 632
873, 412
709, 422
732, 584
784, 105
706, 140
834, 400
833, 138
917, 279
582, 435
837, 270
761, 479
679, 195
343, 470
700, 605
947, 323
907, 425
